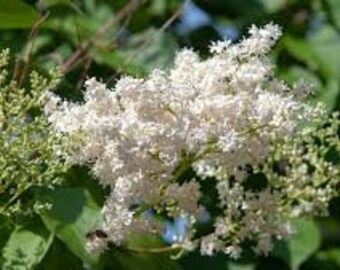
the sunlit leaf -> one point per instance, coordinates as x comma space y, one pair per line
320, 52
149, 50
272, 6
117, 61
26, 246
74, 214
301, 245
330, 94
17, 14
332, 255
50, 3
334, 10
239, 266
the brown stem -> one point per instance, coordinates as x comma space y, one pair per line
16, 70
168, 23
83, 74
29, 47
163, 28
83, 47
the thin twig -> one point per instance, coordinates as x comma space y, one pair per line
76, 8
114, 43
83, 47
124, 12
29, 47
168, 23
163, 28
16, 70
86, 68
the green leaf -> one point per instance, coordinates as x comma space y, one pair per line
5, 229
330, 94
301, 245
26, 246
327, 94
17, 14
296, 73
50, 3
150, 49
320, 52
239, 266
243, 11
326, 43
117, 60
76, 28
301, 49
131, 260
332, 255
334, 11
194, 260
141, 54
272, 6
74, 214
158, 7
53, 261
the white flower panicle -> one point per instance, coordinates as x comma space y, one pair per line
219, 117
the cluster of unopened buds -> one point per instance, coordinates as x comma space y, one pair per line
215, 138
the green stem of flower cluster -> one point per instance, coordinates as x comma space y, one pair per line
14, 198
152, 250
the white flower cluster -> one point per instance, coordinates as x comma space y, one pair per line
214, 116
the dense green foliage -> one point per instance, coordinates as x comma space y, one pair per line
107, 39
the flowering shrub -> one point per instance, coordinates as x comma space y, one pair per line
227, 120
29, 160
